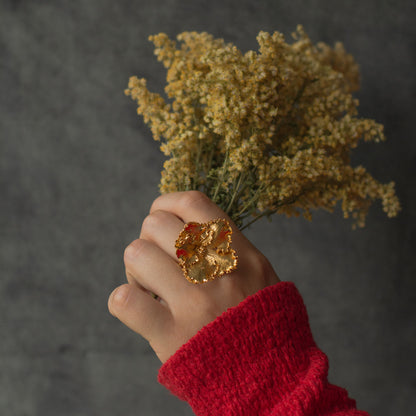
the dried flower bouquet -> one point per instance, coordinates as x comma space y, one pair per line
262, 132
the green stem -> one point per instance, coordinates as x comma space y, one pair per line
220, 180
236, 194
198, 157
263, 214
288, 201
251, 201
211, 156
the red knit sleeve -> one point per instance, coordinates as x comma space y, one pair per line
257, 359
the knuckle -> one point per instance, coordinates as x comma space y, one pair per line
134, 249
152, 222
155, 203
118, 299
194, 198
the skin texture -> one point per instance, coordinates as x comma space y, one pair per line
181, 308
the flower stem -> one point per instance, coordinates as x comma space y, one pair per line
237, 192
221, 179
263, 214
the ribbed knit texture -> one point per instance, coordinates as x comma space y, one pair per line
257, 359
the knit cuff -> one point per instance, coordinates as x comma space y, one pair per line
248, 359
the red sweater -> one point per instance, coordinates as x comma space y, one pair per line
257, 359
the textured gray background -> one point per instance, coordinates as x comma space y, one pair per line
79, 170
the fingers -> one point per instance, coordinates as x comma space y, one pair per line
140, 312
189, 206
154, 270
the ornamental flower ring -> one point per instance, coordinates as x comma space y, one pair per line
204, 251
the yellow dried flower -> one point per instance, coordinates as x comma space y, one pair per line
262, 132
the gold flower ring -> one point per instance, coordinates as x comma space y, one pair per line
204, 251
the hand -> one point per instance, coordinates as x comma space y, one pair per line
180, 308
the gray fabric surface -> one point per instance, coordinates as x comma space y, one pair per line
79, 170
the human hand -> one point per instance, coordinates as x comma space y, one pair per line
181, 308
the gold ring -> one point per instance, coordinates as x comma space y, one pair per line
204, 251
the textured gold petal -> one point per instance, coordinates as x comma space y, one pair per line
201, 271
226, 262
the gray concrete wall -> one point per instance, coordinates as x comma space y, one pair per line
79, 169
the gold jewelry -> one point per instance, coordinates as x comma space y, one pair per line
204, 250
